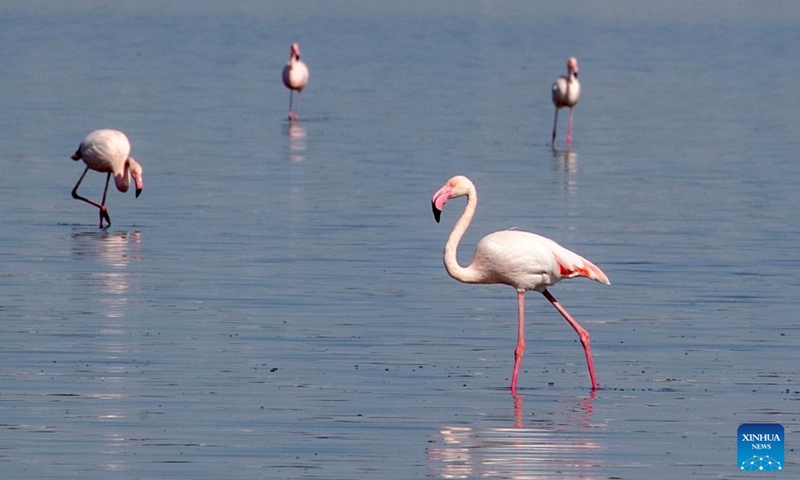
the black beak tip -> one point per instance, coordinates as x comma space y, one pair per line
138, 192
437, 214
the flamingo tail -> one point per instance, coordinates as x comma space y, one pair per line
582, 268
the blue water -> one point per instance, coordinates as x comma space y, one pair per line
274, 304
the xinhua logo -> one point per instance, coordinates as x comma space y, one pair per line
760, 446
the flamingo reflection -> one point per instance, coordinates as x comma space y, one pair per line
297, 141
551, 449
116, 251
567, 162
110, 278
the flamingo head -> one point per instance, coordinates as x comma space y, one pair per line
572, 66
136, 172
457, 186
295, 51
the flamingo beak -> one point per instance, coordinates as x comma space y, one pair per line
439, 199
139, 182
437, 214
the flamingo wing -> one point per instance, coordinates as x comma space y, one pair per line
559, 93
571, 265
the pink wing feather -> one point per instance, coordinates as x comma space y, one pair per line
570, 265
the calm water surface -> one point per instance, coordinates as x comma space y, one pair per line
274, 304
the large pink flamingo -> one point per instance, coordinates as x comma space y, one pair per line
108, 151
295, 77
566, 93
523, 260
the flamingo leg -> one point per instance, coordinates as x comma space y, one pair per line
103, 210
582, 334
105, 190
555, 122
100, 206
569, 129
291, 96
520, 349
297, 105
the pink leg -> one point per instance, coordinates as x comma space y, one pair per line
520, 350
297, 105
291, 96
569, 129
582, 334
555, 122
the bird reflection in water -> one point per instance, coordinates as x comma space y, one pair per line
297, 140
106, 274
550, 450
567, 161
115, 251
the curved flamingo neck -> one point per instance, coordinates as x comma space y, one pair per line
122, 180
462, 274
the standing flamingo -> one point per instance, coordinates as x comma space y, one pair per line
295, 77
566, 93
523, 260
108, 151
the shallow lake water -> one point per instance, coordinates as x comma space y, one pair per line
274, 304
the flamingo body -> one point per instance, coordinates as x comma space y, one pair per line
566, 92
295, 78
527, 261
108, 151
523, 260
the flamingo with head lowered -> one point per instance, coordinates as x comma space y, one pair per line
108, 151
295, 77
523, 260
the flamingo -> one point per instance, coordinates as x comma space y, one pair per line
523, 260
295, 77
108, 151
566, 93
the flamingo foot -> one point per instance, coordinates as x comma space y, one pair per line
104, 216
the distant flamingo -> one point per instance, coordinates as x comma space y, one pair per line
295, 77
566, 93
523, 260
108, 151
